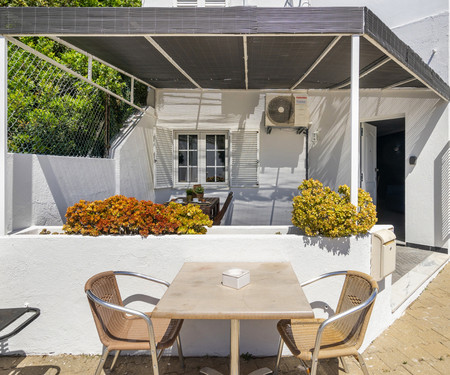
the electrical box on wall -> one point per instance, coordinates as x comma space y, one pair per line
384, 253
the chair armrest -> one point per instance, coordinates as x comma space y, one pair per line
142, 276
341, 315
123, 309
324, 276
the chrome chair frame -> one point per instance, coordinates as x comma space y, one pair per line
314, 360
151, 334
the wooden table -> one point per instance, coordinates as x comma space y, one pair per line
197, 293
210, 206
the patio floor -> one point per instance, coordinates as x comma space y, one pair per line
417, 343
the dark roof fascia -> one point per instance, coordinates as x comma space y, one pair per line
382, 36
219, 21
188, 21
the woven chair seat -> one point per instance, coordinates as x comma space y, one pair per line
300, 335
131, 333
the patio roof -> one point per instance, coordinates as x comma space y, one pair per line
236, 47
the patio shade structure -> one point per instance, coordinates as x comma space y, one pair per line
239, 48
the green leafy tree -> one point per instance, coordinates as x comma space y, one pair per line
54, 113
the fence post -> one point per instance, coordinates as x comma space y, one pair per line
3, 131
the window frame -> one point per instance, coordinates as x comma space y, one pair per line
201, 158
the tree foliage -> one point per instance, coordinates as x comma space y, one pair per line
52, 112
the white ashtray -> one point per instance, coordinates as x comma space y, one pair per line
235, 278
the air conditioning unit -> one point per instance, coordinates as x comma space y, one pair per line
287, 110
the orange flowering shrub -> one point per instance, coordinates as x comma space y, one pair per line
322, 211
121, 215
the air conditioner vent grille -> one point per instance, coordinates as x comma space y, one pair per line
280, 110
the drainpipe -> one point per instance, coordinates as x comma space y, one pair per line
3, 130
354, 122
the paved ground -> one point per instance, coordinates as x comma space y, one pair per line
417, 343
407, 258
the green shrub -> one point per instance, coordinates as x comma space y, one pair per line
121, 215
318, 210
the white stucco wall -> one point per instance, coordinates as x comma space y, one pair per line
49, 272
133, 156
41, 187
427, 137
281, 153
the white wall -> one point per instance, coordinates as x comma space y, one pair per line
282, 153
133, 157
41, 187
49, 272
427, 137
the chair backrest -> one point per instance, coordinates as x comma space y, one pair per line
108, 321
218, 218
357, 288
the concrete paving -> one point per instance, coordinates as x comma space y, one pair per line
417, 343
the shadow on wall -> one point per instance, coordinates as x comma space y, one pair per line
425, 120
241, 104
331, 116
442, 197
282, 148
337, 246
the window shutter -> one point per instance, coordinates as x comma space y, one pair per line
164, 158
244, 158
186, 3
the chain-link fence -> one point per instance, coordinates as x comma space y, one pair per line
52, 112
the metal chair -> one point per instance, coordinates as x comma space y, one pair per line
118, 330
218, 218
338, 336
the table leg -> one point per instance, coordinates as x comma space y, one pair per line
234, 350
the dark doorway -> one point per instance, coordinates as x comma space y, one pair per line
391, 174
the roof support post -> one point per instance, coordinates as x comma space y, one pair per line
3, 131
354, 121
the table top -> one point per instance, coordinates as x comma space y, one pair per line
197, 293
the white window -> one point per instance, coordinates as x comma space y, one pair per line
212, 158
201, 157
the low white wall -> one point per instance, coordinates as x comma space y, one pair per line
49, 272
41, 187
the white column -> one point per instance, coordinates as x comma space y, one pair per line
354, 121
3, 130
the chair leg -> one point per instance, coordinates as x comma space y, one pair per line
362, 364
116, 355
280, 350
344, 364
314, 364
102, 361
180, 352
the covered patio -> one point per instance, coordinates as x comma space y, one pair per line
351, 65
209, 50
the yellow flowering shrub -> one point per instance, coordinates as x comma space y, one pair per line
121, 215
318, 210
191, 218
